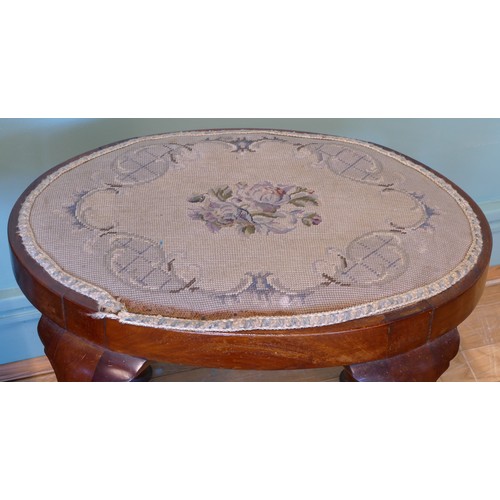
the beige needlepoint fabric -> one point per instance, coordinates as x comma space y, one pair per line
248, 229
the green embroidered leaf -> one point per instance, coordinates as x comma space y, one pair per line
197, 198
302, 201
297, 203
223, 193
299, 190
263, 214
249, 230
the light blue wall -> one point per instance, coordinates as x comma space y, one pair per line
467, 151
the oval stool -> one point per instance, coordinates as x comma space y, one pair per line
248, 249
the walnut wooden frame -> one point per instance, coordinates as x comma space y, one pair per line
413, 343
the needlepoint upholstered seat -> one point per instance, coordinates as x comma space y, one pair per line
256, 249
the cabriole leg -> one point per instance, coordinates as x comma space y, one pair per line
424, 364
78, 360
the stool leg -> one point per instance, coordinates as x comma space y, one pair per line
77, 360
424, 364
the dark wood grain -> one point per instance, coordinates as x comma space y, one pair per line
424, 364
77, 360
70, 331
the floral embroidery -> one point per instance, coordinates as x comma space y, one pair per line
259, 208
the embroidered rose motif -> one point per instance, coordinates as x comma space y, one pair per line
259, 208
264, 195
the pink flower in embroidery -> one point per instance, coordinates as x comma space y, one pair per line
262, 207
264, 195
217, 215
